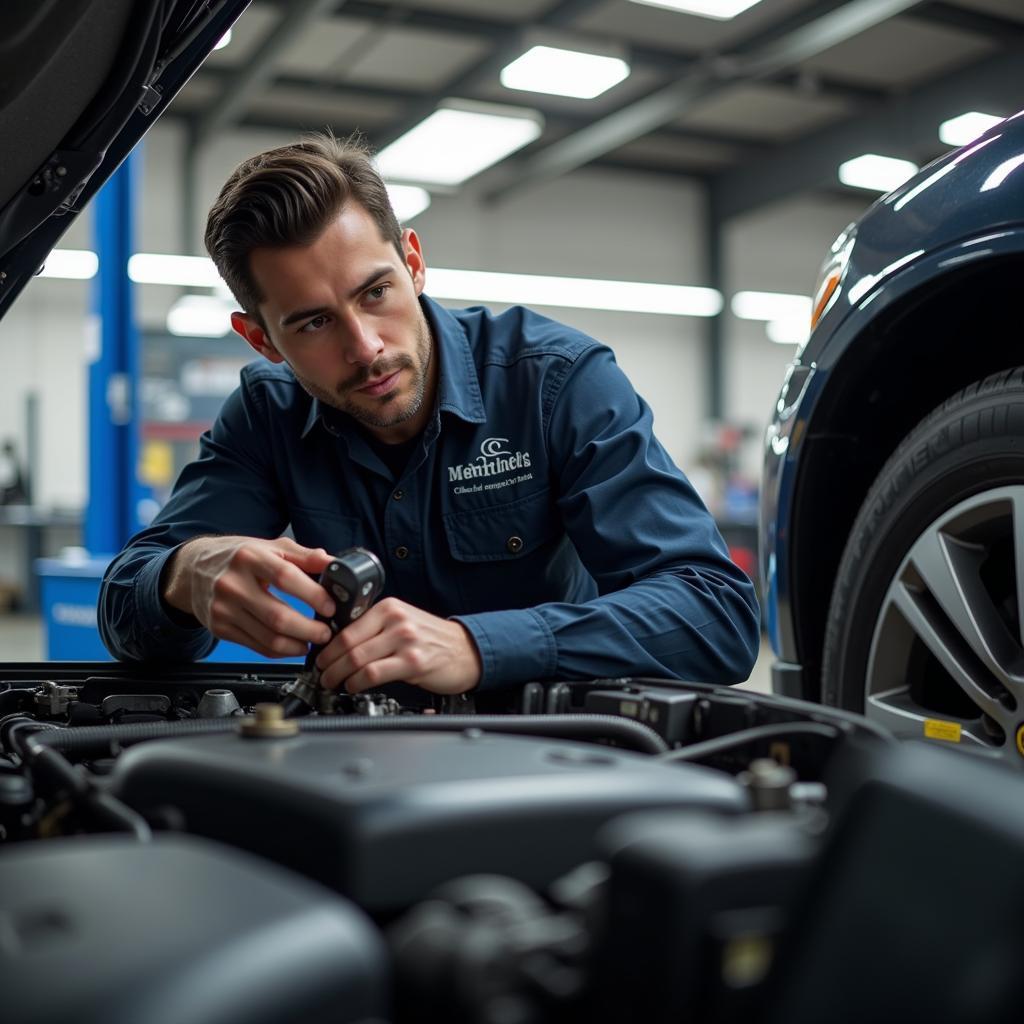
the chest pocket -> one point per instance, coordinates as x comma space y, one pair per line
502, 556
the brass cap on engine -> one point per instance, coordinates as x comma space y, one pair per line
1020, 740
269, 722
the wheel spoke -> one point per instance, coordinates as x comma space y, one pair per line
949, 570
960, 669
1018, 557
897, 711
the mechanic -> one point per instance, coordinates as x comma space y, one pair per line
501, 466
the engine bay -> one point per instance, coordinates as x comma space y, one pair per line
603, 850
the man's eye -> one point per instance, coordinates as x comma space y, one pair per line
377, 293
313, 325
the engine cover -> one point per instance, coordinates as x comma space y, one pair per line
383, 818
107, 930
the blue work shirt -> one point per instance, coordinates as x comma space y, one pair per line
537, 508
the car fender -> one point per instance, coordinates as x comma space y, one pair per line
816, 375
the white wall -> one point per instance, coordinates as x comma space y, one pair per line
778, 248
590, 224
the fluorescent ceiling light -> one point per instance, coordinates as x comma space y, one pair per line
564, 72
458, 141
958, 131
876, 173
161, 268
199, 316
71, 264
788, 332
573, 292
486, 286
771, 306
721, 10
407, 201
223, 41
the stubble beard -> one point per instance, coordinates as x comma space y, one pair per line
388, 410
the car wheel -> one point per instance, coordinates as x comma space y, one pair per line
925, 624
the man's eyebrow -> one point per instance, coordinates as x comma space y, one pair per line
372, 279
304, 314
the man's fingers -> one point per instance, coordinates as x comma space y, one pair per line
308, 559
384, 614
248, 632
272, 566
283, 620
269, 622
387, 670
341, 658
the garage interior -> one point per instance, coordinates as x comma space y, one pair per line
531, 781
715, 164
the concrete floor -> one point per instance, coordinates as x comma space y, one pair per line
21, 639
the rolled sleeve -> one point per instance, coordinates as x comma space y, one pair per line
138, 626
229, 489
514, 645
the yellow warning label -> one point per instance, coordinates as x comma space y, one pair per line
935, 729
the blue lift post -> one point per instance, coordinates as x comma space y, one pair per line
112, 513
69, 586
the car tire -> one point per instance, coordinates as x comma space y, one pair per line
924, 626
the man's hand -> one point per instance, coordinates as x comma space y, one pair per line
394, 641
223, 582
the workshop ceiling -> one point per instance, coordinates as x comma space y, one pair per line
729, 102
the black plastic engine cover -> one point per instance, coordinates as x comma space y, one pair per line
695, 905
913, 912
106, 930
385, 817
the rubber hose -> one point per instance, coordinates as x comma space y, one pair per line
82, 791
96, 740
634, 735
756, 734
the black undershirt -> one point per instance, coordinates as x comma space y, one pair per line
394, 456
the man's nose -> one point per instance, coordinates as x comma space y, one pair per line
362, 344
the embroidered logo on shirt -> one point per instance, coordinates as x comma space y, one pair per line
494, 460
491, 448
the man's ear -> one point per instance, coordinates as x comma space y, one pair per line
253, 333
413, 253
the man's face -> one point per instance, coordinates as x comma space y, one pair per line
343, 313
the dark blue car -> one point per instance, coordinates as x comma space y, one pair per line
892, 517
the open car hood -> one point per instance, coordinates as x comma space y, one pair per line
83, 81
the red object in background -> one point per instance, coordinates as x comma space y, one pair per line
745, 558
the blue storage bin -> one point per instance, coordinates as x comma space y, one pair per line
69, 590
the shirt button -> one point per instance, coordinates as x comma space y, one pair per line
401, 551
398, 495
514, 544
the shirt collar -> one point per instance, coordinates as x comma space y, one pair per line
458, 389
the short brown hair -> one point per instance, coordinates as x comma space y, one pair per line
287, 196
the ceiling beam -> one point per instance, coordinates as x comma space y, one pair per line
761, 60
506, 39
648, 168
352, 92
979, 23
560, 122
258, 69
902, 127
507, 45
